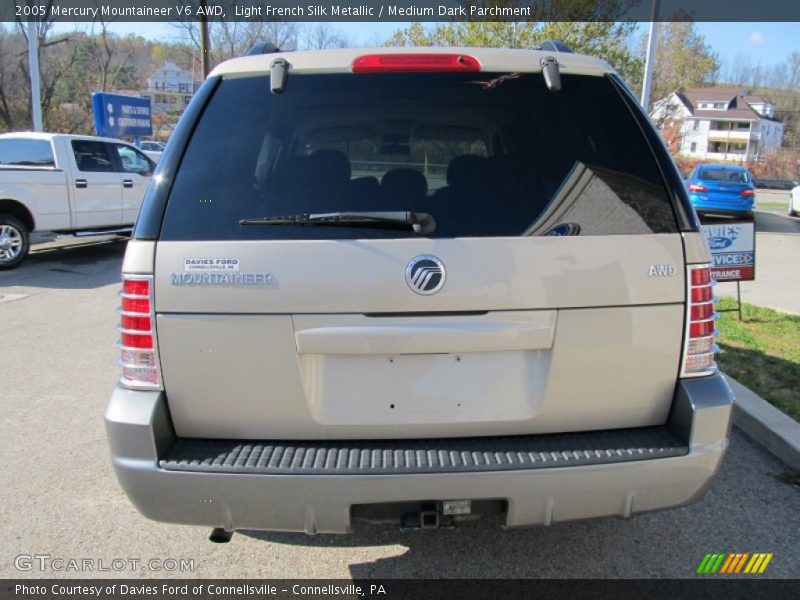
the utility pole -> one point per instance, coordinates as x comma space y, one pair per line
650, 58
33, 67
204, 47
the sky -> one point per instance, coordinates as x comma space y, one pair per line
765, 43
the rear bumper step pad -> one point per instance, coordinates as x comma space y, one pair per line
390, 457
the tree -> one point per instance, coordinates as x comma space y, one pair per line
606, 40
57, 56
321, 36
229, 39
779, 83
682, 60
73, 66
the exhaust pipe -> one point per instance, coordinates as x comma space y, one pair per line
220, 536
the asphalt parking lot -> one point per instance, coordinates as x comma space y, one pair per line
59, 497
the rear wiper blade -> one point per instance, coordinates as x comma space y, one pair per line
420, 222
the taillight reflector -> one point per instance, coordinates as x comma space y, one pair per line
386, 63
700, 364
747, 193
693, 187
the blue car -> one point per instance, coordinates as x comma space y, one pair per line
721, 189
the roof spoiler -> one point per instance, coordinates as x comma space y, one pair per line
554, 46
262, 48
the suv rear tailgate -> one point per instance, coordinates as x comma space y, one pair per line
528, 335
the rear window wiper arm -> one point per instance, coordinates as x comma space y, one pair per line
420, 222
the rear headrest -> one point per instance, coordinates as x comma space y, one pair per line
330, 165
364, 186
466, 170
509, 169
290, 172
404, 184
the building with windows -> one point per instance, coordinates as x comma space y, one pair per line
170, 89
718, 123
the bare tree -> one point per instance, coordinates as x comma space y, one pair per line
57, 55
741, 71
106, 57
230, 39
321, 36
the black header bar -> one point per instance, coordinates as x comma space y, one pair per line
400, 10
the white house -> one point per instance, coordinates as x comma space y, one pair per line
720, 123
170, 88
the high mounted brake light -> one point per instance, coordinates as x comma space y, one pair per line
427, 63
699, 348
137, 344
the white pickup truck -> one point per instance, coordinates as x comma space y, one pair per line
72, 184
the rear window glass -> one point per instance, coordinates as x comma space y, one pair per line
485, 154
26, 153
723, 175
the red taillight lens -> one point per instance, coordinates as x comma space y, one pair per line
135, 323
701, 312
698, 357
693, 187
136, 287
431, 63
135, 305
701, 329
702, 294
137, 339
701, 276
747, 194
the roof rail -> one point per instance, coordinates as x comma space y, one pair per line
555, 46
262, 48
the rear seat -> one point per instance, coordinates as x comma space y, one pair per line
314, 183
404, 188
467, 185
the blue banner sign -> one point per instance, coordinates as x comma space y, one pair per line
116, 115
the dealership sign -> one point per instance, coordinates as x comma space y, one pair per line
733, 250
116, 115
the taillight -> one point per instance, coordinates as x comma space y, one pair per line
437, 63
693, 187
698, 354
137, 343
747, 194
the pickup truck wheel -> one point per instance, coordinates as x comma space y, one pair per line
14, 242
